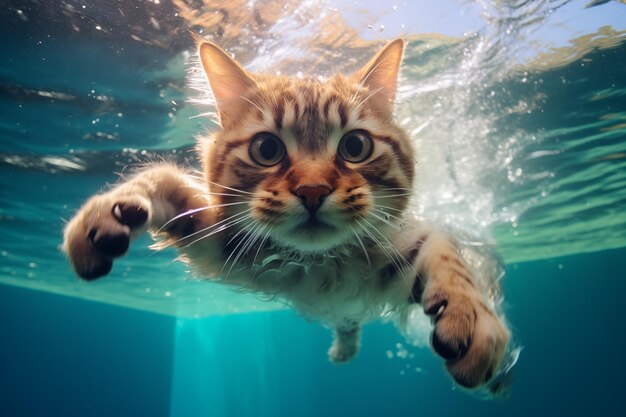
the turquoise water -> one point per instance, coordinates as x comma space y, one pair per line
65, 356
518, 113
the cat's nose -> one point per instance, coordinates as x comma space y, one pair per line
312, 196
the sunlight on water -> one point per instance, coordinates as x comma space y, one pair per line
514, 107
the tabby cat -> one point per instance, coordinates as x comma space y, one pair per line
303, 196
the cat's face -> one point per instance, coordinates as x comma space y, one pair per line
309, 164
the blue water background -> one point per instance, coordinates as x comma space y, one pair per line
76, 106
63, 356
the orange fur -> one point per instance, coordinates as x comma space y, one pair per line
302, 196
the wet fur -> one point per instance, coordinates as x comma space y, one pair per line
244, 224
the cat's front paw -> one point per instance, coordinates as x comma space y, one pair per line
467, 334
101, 231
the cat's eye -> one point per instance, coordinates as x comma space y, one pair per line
266, 149
356, 146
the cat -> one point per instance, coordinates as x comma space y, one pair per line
304, 196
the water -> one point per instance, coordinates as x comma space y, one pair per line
517, 109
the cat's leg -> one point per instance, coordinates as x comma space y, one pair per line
346, 343
468, 333
102, 229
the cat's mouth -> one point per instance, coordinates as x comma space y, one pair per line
311, 234
314, 231
313, 224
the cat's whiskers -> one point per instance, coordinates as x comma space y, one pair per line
398, 189
241, 217
197, 210
389, 208
262, 244
387, 222
392, 195
378, 243
234, 250
383, 212
402, 258
369, 263
386, 252
223, 225
398, 260
229, 221
254, 225
393, 191
251, 238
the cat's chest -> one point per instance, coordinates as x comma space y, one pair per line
330, 289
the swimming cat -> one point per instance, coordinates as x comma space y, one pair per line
303, 196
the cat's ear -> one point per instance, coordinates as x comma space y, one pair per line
229, 81
380, 74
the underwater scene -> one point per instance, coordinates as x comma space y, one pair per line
517, 110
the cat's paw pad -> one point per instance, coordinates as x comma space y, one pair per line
131, 214
101, 231
470, 336
341, 353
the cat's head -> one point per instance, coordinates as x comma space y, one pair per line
309, 164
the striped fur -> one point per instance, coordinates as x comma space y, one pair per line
310, 117
329, 236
